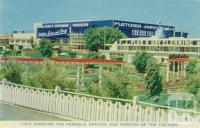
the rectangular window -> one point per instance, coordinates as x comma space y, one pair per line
194, 42
161, 42
128, 42
123, 42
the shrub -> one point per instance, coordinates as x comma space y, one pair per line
140, 61
45, 48
50, 76
191, 68
12, 72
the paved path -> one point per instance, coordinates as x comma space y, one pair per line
10, 112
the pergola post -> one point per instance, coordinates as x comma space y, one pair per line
173, 69
78, 78
177, 73
184, 72
122, 67
100, 76
167, 79
182, 69
82, 75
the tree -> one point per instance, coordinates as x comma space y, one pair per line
191, 68
45, 48
192, 75
140, 61
153, 79
12, 72
95, 37
194, 83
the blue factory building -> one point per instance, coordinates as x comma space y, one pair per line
62, 30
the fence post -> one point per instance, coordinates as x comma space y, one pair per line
4, 81
100, 76
134, 100
57, 89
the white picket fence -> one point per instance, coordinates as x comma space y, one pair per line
91, 108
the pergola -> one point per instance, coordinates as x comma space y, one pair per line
79, 62
88, 61
178, 67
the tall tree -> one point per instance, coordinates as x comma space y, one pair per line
153, 79
140, 61
191, 68
96, 38
45, 48
192, 75
194, 83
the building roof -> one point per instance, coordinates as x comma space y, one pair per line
111, 20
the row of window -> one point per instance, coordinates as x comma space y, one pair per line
18, 41
164, 49
142, 33
150, 42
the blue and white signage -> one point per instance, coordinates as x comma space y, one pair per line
140, 25
58, 30
127, 25
55, 25
130, 29
53, 32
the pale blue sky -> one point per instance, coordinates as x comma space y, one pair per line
21, 14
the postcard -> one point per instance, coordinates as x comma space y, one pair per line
99, 63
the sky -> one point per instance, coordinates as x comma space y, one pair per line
22, 14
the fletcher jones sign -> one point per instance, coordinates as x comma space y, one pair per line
141, 26
53, 32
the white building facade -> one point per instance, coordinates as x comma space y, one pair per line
22, 40
161, 48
